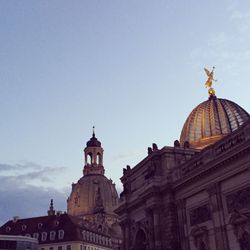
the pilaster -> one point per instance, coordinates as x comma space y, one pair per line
216, 207
182, 222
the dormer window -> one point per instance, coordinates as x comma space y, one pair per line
40, 225
52, 235
8, 229
60, 234
24, 227
44, 236
56, 223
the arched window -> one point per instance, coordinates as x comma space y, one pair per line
140, 240
84, 235
60, 234
89, 158
99, 158
44, 236
36, 235
52, 235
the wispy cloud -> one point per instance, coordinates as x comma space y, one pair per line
228, 49
30, 171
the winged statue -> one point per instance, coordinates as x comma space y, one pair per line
210, 79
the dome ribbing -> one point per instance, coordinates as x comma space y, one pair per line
211, 120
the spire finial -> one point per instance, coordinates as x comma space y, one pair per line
51, 210
93, 131
51, 205
210, 81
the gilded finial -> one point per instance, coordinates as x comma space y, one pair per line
210, 81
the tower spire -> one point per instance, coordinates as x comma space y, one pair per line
93, 134
51, 210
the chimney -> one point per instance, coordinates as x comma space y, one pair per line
15, 219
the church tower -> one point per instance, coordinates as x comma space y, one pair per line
94, 196
93, 157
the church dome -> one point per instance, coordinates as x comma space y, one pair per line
92, 194
211, 120
93, 142
93, 197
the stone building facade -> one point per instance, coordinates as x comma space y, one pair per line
195, 195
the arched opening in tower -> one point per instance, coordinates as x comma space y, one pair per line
89, 158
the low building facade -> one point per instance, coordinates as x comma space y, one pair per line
60, 232
15, 242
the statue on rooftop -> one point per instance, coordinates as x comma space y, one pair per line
210, 81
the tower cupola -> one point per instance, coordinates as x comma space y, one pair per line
93, 156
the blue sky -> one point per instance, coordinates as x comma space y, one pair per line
134, 69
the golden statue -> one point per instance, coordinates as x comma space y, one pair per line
210, 81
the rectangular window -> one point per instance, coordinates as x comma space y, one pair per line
51, 248
68, 247
42, 248
59, 247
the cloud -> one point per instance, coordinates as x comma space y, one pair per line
21, 195
228, 49
30, 172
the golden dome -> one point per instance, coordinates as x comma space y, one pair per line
211, 120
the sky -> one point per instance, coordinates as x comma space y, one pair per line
133, 69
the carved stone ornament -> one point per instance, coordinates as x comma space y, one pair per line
241, 227
238, 200
200, 238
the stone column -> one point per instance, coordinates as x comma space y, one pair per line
217, 212
182, 222
125, 234
149, 215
